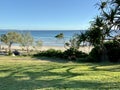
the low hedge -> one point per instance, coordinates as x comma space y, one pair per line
50, 53
73, 54
70, 54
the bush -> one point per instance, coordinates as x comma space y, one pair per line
50, 53
111, 44
73, 54
95, 54
70, 54
113, 51
114, 54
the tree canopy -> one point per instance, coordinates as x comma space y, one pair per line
10, 38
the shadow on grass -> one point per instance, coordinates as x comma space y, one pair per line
112, 69
51, 59
29, 79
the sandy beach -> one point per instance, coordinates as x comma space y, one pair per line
85, 49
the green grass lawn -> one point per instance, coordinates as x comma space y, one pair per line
26, 73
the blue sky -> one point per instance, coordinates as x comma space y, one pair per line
47, 14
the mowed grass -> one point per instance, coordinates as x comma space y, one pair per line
26, 73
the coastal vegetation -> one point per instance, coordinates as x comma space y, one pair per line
107, 22
69, 69
101, 27
10, 38
26, 40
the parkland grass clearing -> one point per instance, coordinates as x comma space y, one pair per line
26, 73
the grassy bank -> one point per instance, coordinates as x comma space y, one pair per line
26, 73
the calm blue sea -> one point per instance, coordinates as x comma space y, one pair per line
48, 36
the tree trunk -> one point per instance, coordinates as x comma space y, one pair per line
104, 56
0, 48
9, 48
27, 49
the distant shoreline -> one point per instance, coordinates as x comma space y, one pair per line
85, 49
48, 37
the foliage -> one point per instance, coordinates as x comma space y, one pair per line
59, 36
101, 27
114, 54
37, 44
111, 13
70, 54
113, 48
81, 38
73, 43
98, 32
95, 54
111, 44
73, 54
10, 38
94, 36
26, 40
113, 51
50, 53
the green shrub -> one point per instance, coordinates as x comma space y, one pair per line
114, 54
70, 54
111, 44
50, 53
73, 54
113, 51
95, 54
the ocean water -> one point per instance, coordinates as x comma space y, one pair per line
48, 36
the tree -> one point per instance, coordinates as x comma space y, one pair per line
38, 44
102, 26
82, 38
10, 38
98, 32
72, 43
111, 13
60, 36
26, 40
111, 16
116, 5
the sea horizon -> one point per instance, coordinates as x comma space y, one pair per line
48, 36
42, 29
